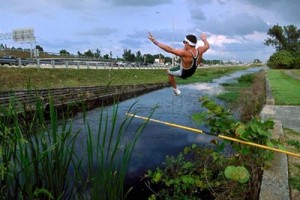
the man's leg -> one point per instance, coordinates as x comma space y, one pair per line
172, 81
173, 84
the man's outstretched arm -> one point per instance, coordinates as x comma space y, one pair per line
165, 47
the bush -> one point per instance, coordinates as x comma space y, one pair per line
297, 60
196, 173
281, 60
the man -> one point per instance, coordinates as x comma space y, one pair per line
190, 57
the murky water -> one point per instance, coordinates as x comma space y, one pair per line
159, 140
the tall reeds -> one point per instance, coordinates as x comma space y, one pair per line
40, 159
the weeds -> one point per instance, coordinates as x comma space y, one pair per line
39, 158
246, 97
293, 143
198, 171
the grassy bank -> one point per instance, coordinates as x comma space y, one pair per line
21, 78
285, 89
247, 96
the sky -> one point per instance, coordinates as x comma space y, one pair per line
236, 29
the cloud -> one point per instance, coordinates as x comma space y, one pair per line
99, 31
197, 14
220, 40
136, 3
239, 24
287, 9
136, 44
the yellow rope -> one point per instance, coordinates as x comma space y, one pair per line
219, 136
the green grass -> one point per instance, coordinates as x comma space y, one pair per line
285, 89
208, 74
19, 78
233, 90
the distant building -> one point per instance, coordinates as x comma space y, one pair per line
159, 61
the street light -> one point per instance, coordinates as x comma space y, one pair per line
157, 12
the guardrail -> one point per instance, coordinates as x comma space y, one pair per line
74, 64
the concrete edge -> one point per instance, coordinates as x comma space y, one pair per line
275, 185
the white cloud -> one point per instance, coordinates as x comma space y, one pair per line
220, 40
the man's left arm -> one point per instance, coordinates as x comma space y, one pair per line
206, 44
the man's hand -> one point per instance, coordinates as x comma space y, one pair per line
151, 37
203, 36
206, 44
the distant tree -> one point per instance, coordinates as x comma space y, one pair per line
168, 60
128, 56
212, 62
106, 56
205, 61
79, 54
110, 54
98, 53
139, 57
148, 58
39, 48
286, 41
286, 38
64, 52
257, 61
88, 53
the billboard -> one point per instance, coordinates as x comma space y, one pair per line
23, 35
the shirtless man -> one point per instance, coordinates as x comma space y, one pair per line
190, 57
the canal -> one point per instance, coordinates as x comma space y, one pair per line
158, 140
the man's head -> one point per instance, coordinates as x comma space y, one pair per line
191, 40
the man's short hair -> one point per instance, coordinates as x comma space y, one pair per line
191, 40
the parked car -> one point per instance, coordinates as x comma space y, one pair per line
10, 60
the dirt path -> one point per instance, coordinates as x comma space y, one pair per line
291, 74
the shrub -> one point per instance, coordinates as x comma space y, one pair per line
281, 60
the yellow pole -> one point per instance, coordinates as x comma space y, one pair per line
219, 136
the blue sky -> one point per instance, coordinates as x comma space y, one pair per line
236, 29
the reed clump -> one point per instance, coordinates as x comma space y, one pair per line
43, 159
